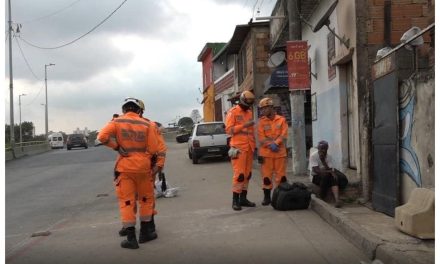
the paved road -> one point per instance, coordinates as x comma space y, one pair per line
57, 191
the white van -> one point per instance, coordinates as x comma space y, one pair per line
56, 140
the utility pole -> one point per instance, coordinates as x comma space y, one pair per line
11, 85
299, 162
46, 115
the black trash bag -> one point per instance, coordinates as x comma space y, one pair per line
293, 196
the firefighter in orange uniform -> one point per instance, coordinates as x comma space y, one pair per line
240, 126
134, 139
272, 138
157, 161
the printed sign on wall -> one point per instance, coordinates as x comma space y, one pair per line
298, 65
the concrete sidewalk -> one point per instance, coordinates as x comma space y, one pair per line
371, 231
375, 234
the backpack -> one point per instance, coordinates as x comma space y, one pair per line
293, 196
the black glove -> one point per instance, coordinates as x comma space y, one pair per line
164, 181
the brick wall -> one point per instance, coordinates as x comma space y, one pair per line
404, 15
247, 83
262, 52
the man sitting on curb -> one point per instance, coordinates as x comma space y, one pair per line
324, 175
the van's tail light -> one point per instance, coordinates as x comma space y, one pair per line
196, 144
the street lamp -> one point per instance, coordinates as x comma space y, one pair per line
45, 81
19, 106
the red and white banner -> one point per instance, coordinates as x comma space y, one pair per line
298, 65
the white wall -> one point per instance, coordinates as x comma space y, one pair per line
331, 101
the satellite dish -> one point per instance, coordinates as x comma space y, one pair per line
276, 59
324, 14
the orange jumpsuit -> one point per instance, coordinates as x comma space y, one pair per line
138, 139
272, 130
243, 139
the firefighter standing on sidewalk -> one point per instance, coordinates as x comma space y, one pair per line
134, 139
240, 126
272, 137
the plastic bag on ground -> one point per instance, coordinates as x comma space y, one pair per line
169, 192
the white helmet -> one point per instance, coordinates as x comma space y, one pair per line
132, 100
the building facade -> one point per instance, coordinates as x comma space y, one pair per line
206, 57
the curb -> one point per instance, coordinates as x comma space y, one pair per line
372, 245
349, 229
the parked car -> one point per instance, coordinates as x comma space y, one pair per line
76, 140
206, 140
182, 138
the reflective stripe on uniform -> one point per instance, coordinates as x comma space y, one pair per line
135, 122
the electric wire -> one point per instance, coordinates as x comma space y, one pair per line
253, 8
259, 7
24, 58
51, 14
73, 41
30, 68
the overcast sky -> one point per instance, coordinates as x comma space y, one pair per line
147, 49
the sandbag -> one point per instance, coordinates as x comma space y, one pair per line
293, 196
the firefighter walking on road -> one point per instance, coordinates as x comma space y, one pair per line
272, 138
134, 139
240, 126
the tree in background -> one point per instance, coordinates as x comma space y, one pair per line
92, 136
27, 129
195, 116
186, 123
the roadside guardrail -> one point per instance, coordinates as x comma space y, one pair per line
25, 149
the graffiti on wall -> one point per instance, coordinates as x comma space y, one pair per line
409, 162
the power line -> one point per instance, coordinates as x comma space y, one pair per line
24, 57
68, 43
253, 9
33, 100
29, 67
51, 14
262, 1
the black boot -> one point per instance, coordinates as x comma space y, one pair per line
244, 201
123, 231
131, 241
266, 200
235, 201
147, 232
